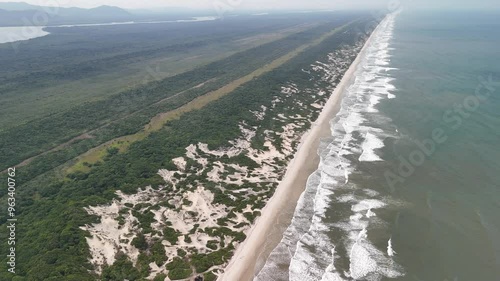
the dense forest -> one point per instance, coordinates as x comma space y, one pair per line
51, 244
121, 110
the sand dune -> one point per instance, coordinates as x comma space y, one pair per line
264, 236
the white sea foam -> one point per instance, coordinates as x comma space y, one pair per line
309, 248
367, 204
370, 214
330, 273
390, 250
369, 146
361, 262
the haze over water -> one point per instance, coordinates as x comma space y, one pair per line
449, 80
20, 33
409, 186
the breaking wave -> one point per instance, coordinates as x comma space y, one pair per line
329, 236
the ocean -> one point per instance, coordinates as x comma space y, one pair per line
408, 187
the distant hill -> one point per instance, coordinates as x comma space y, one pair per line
17, 6
19, 13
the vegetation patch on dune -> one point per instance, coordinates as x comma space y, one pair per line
176, 203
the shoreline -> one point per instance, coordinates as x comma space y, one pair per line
13, 34
267, 232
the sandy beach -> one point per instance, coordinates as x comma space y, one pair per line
277, 214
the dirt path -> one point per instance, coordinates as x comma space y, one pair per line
88, 134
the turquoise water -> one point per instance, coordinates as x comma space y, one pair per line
408, 187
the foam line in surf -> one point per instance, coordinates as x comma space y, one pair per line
314, 254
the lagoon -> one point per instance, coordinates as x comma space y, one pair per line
20, 33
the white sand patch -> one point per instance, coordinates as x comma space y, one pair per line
168, 176
239, 168
214, 174
199, 212
108, 236
275, 102
204, 148
288, 136
180, 162
263, 156
296, 117
193, 204
159, 217
260, 114
290, 89
155, 270
265, 173
237, 146
315, 105
191, 152
258, 241
282, 116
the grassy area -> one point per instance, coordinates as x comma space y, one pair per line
56, 96
122, 143
114, 117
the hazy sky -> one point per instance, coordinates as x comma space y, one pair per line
267, 4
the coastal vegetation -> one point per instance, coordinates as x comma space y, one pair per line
61, 207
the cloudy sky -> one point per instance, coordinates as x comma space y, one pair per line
267, 4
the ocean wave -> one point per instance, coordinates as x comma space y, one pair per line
323, 242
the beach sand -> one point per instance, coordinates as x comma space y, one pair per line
268, 229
